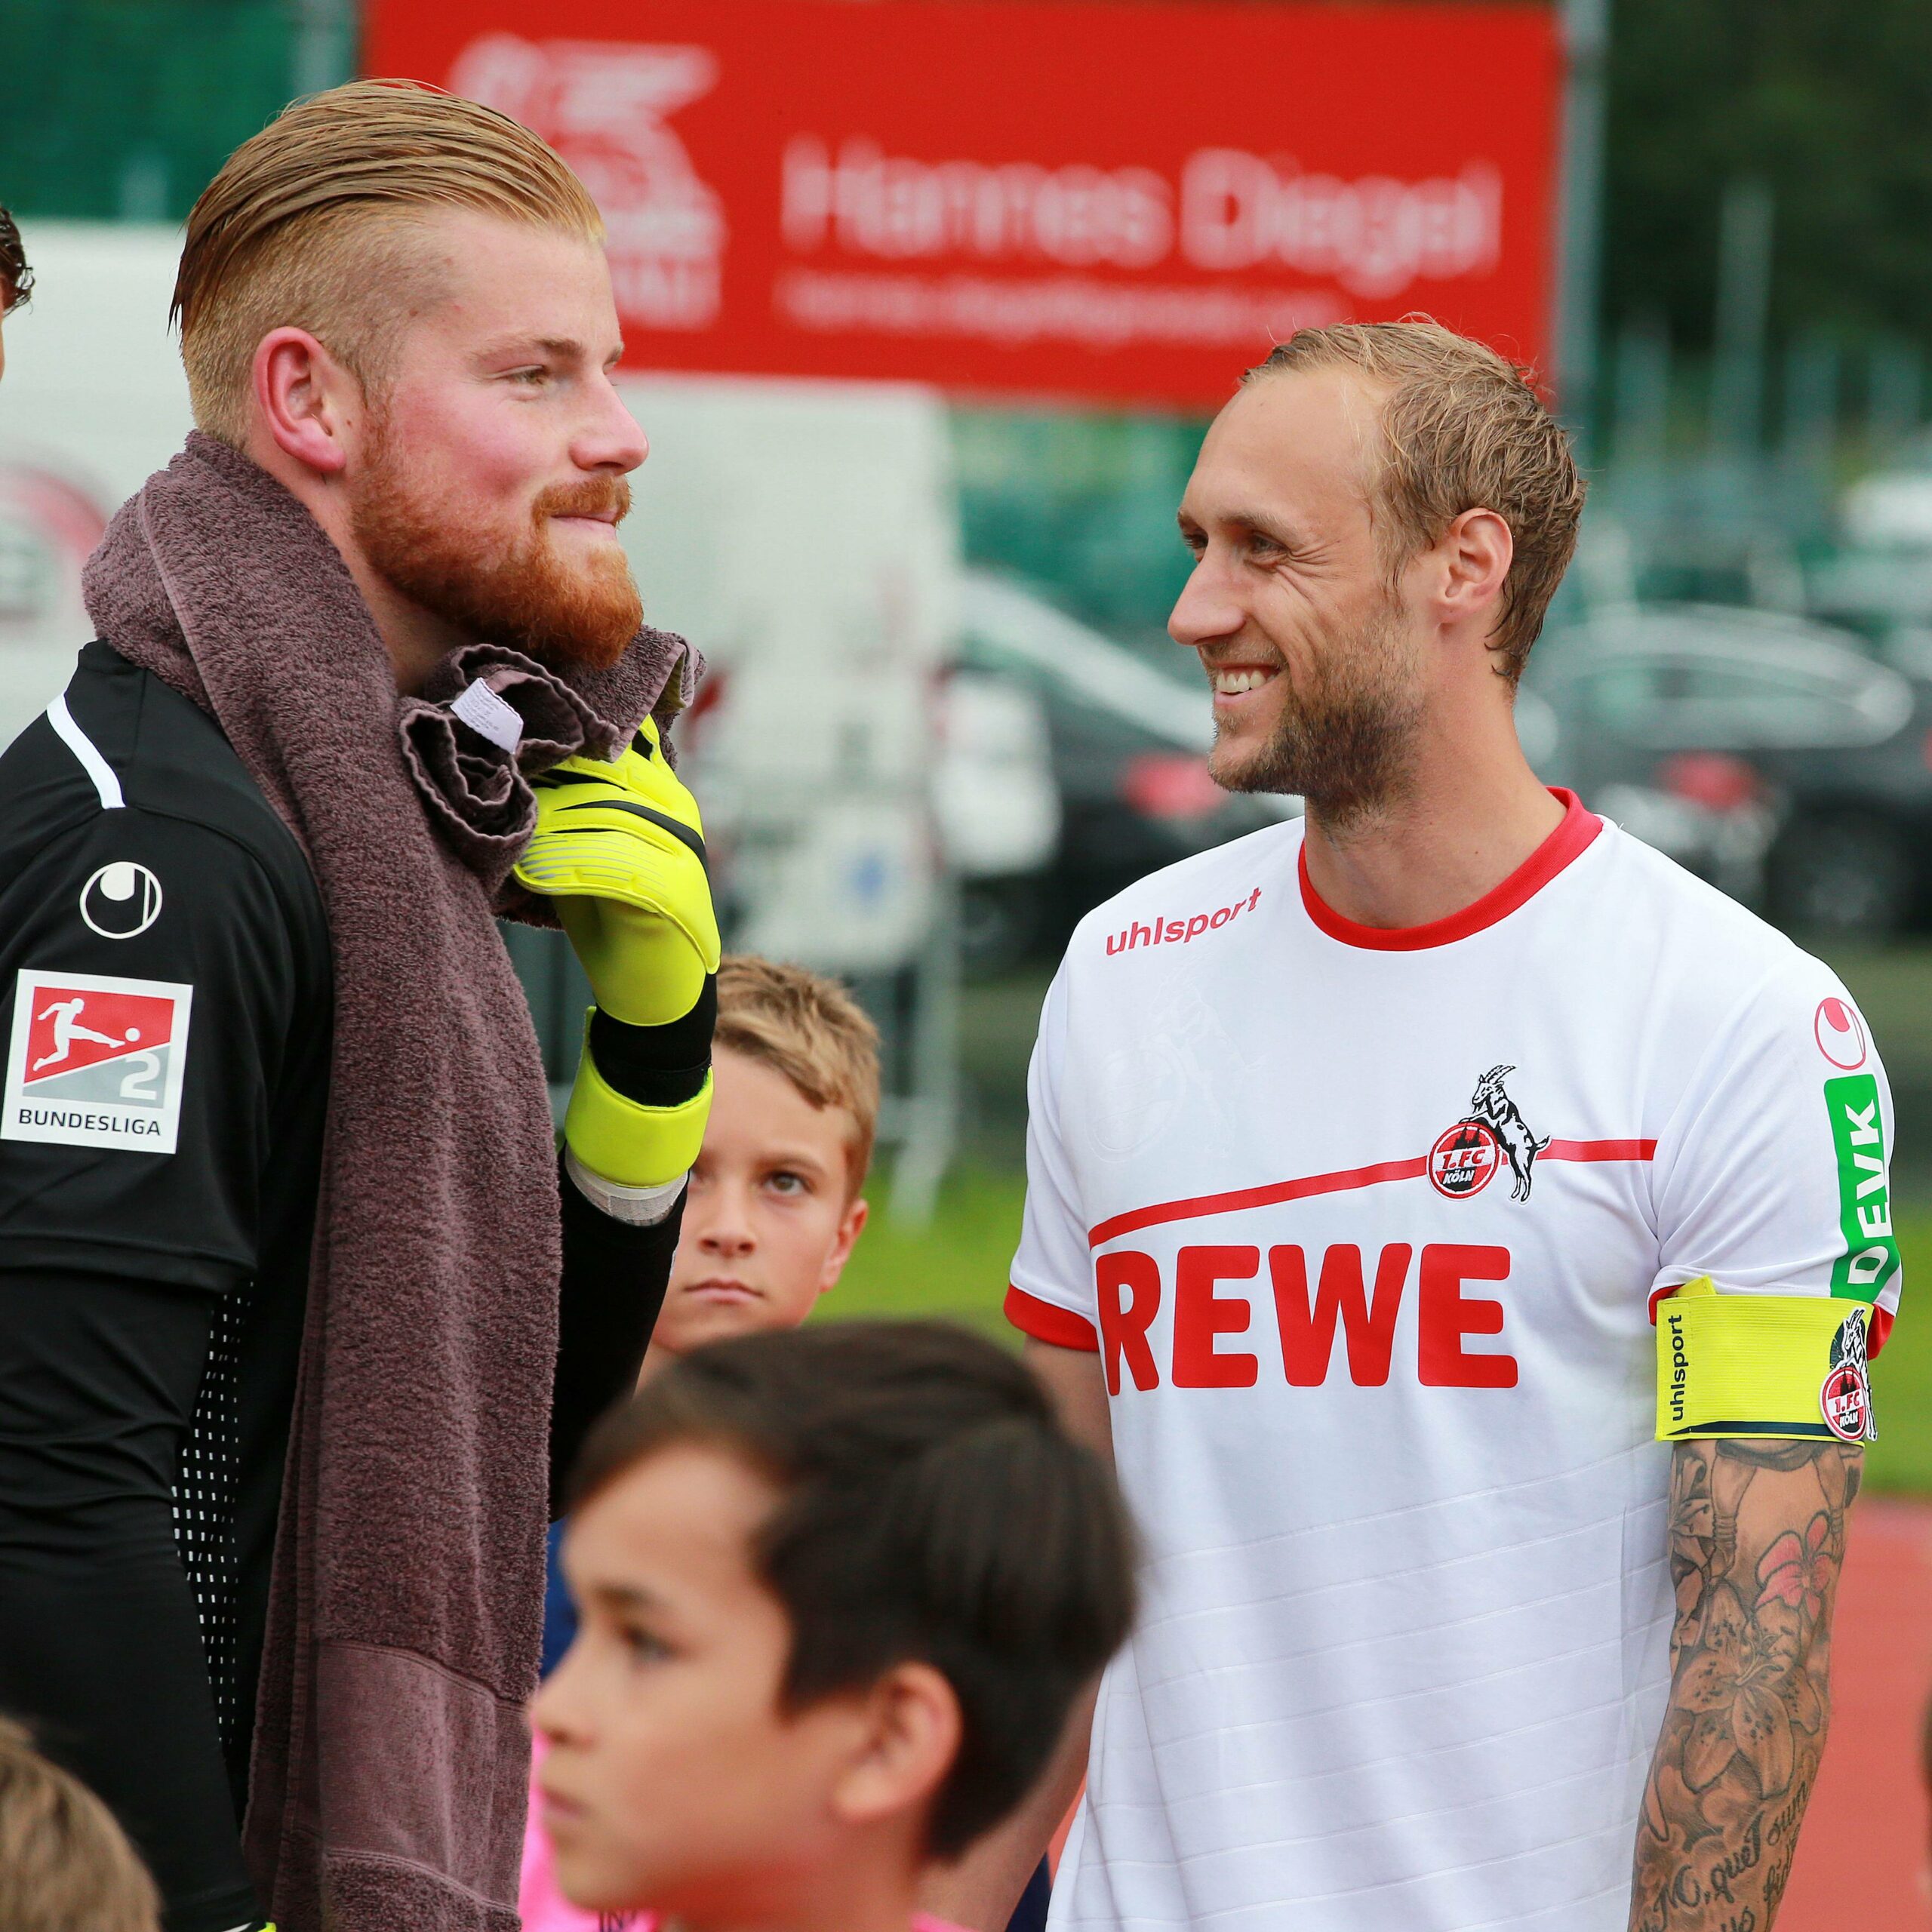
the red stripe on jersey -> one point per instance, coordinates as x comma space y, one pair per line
1257, 1196
1600, 1150
1337, 1182
1570, 838
1048, 1321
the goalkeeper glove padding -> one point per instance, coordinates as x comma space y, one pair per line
619, 847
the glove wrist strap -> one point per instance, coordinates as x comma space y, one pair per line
626, 1142
636, 1207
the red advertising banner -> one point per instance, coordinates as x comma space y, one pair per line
1028, 197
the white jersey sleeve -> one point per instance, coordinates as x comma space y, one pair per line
1772, 1174
1051, 1295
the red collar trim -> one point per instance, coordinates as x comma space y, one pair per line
1566, 842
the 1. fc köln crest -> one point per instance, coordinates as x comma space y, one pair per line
96, 1061
1492, 1134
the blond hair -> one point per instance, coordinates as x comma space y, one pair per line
309, 225
812, 1031
1462, 429
65, 1865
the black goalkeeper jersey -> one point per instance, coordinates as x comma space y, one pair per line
165, 993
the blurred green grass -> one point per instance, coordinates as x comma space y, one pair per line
957, 1268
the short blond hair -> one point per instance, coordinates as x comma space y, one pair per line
309, 225
64, 1862
811, 1030
1462, 429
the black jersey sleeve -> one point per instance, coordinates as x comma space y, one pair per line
148, 998
100, 1649
614, 1279
148, 981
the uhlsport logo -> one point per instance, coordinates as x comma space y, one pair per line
1840, 1034
1492, 1132
96, 1061
1845, 1400
121, 900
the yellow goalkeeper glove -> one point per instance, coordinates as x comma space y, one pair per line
618, 849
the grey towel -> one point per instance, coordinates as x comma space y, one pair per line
391, 1757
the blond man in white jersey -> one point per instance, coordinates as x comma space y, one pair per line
1467, 1230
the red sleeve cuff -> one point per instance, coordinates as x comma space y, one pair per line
1048, 1321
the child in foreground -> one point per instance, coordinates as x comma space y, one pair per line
65, 1865
771, 1215
839, 1590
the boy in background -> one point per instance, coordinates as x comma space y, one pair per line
773, 1209
773, 1206
840, 1589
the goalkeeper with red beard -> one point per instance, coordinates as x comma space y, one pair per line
301, 1303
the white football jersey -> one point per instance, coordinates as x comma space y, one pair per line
1368, 1227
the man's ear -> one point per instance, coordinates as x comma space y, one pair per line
851, 1227
1475, 554
909, 1742
307, 400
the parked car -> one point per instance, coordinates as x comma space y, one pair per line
1768, 753
1129, 747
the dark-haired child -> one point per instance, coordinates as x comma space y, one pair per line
839, 1589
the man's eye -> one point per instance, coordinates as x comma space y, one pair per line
530, 378
787, 1182
644, 1647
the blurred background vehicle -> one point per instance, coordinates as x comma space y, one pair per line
1128, 741
1769, 753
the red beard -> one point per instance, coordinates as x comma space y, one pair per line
520, 593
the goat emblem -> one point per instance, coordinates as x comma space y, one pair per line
1493, 1107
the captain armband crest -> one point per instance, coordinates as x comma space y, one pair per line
1789, 1366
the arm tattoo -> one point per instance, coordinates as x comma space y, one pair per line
1757, 1535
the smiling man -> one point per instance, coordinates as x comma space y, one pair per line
1467, 1238
300, 1305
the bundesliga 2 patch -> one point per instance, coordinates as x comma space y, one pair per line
96, 1061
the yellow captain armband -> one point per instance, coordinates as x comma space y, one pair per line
1768, 1365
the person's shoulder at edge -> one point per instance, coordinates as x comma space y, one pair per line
128, 741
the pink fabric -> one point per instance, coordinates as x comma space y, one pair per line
545, 1909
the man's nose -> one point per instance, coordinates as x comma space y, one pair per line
612, 439
1205, 610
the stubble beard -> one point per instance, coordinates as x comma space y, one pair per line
520, 591
1347, 725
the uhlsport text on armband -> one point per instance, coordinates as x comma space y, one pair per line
1767, 1365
